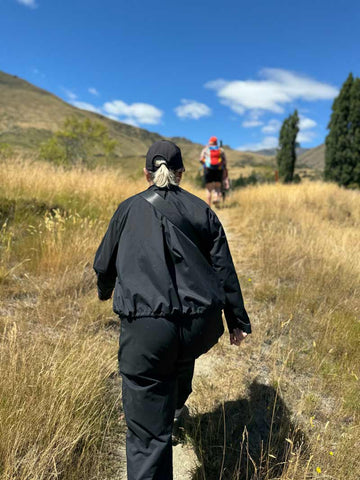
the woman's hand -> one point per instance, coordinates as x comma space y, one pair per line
237, 336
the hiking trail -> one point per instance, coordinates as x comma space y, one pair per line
185, 459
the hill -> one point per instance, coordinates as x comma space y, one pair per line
33, 114
271, 152
309, 158
313, 158
29, 115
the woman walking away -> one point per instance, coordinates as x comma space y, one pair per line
213, 159
166, 255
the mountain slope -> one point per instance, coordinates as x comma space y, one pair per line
27, 110
313, 158
29, 115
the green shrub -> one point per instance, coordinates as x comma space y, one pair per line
266, 176
79, 142
6, 151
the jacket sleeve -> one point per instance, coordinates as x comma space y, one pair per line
234, 310
105, 259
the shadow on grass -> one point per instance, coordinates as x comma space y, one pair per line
235, 440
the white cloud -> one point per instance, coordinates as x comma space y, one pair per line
130, 121
112, 117
276, 89
28, 3
135, 113
273, 126
305, 137
306, 123
192, 109
86, 106
216, 84
251, 123
70, 94
266, 142
305, 134
253, 120
93, 91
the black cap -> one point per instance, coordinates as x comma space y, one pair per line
167, 150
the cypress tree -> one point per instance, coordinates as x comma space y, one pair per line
338, 154
354, 134
286, 156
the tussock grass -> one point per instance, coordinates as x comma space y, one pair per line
274, 409
53, 405
92, 192
306, 244
296, 250
57, 348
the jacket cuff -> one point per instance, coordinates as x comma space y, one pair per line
104, 286
233, 321
104, 295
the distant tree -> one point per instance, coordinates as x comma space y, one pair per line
79, 142
338, 156
286, 155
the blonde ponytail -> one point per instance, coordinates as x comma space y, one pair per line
163, 177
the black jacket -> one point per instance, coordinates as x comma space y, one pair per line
157, 271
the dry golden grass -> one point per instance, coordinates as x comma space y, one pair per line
56, 356
53, 388
294, 385
103, 188
297, 252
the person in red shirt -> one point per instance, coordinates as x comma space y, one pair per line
213, 159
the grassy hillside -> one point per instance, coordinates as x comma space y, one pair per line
284, 406
307, 158
313, 158
29, 115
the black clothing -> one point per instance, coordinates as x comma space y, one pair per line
213, 175
168, 151
170, 289
156, 359
158, 271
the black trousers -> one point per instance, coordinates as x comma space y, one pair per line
156, 360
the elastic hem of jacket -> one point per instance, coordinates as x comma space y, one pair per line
203, 313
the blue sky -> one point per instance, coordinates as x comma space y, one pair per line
233, 69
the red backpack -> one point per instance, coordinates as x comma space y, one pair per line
213, 158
